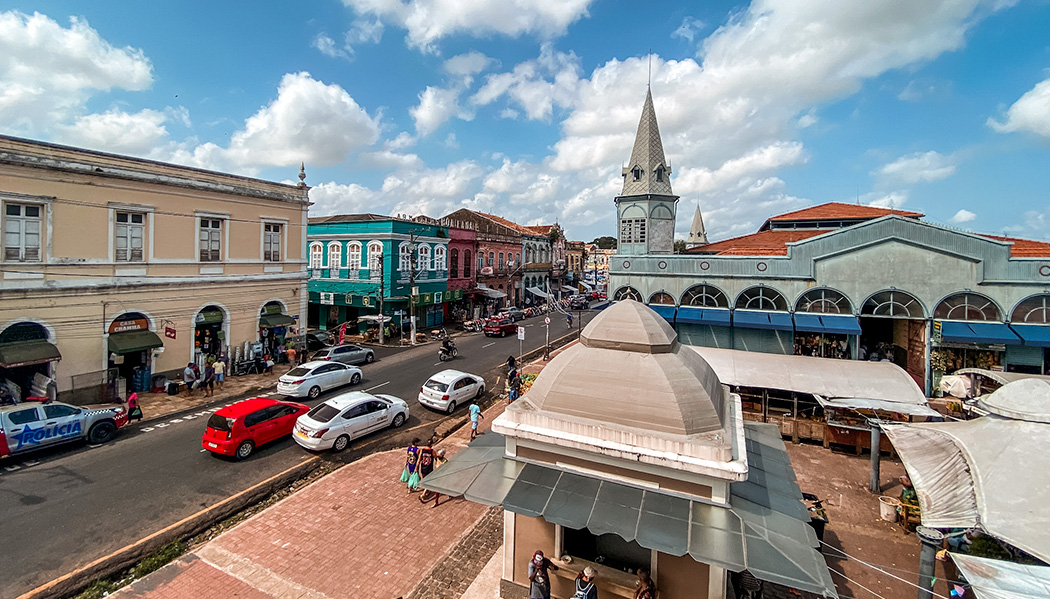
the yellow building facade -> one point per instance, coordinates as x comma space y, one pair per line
114, 267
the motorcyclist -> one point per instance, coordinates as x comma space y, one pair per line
448, 345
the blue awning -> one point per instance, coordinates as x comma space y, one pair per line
827, 323
697, 315
978, 332
752, 319
664, 310
1033, 334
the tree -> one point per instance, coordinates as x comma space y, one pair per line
605, 242
679, 246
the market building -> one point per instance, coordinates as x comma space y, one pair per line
369, 264
628, 452
836, 280
498, 263
117, 269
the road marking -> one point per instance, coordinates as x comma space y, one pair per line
437, 364
148, 429
189, 417
203, 450
29, 463
201, 413
12, 468
176, 421
163, 425
378, 386
489, 345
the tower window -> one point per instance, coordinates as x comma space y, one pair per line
632, 230
636, 173
660, 173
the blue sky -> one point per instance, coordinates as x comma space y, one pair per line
527, 108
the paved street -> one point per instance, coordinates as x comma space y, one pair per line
66, 508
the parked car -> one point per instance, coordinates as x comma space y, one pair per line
579, 302
450, 388
238, 429
513, 313
347, 354
333, 423
317, 339
311, 378
27, 426
500, 327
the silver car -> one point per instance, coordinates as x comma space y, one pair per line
450, 388
310, 379
333, 423
347, 354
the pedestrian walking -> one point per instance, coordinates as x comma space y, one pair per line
426, 459
439, 460
585, 588
410, 475
539, 576
568, 320
189, 376
134, 411
220, 372
208, 380
646, 588
511, 365
290, 352
268, 364
515, 388
475, 415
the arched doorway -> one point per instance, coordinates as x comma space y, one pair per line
969, 332
274, 325
1030, 319
209, 332
131, 344
27, 358
894, 327
825, 326
627, 293
761, 321
703, 317
663, 304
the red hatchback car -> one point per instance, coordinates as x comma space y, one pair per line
238, 429
500, 328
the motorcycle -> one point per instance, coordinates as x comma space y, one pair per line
440, 334
447, 353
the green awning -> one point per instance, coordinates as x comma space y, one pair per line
133, 341
270, 321
25, 353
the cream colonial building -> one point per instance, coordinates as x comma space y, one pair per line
113, 266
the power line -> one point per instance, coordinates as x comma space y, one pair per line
878, 569
834, 571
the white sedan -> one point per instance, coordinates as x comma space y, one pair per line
333, 423
450, 388
310, 379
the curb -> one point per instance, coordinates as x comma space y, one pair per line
129, 555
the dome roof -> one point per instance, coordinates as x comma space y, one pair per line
629, 370
1026, 399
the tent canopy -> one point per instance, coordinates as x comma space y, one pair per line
24, 353
1002, 378
276, 320
537, 291
998, 579
133, 341
489, 292
826, 377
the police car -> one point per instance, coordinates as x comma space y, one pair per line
29, 425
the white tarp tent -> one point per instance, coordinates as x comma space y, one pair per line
991, 473
828, 378
998, 579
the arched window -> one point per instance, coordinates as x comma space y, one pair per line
404, 262
501, 260
893, 304
316, 255
466, 264
762, 298
1032, 310
439, 258
660, 173
824, 301
453, 266
335, 256
706, 296
375, 257
636, 173
423, 258
627, 293
24, 331
967, 306
661, 298
492, 259
353, 258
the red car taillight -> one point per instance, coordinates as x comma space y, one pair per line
229, 435
298, 382
326, 358
318, 434
444, 397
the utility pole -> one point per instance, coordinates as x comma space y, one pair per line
412, 286
381, 292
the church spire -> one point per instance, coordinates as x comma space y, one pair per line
648, 172
697, 233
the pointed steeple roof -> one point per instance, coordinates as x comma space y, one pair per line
648, 172
697, 233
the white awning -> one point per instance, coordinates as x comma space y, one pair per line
489, 292
999, 579
859, 403
826, 377
586, 285
537, 291
1001, 377
572, 289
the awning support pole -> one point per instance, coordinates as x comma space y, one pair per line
931, 543
875, 486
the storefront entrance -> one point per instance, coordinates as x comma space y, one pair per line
208, 334
27, 356
131, 346
893, 327
273, 326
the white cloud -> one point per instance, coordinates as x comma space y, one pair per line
1031, 112
402, 141
963, 216
48, 72
365, 31
308, 121
469, 64
894, 199
451, 141
689, 29
388, 159
334, 198
137, 134
436, 106
921, 167
536, 85
428, 21
326, 45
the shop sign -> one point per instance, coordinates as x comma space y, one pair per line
327, 298
134, 324
486, 271
169, 332
366, 301
437, 297
209, 316
272, 309
936, 336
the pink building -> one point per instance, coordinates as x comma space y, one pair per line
462, 274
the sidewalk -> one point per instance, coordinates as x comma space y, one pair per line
160, 405
354, 533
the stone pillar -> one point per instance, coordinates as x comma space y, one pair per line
931, 543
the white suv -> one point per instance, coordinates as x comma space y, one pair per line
450, 388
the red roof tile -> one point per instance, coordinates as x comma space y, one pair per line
839, 210
1023, 248
506, 223
763, 243
541, 229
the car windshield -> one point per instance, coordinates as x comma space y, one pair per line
300, 371
220, 423
436, 386
323, 413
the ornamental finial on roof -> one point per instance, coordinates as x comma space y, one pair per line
302, 174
